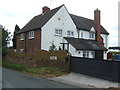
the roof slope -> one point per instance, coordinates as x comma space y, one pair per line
85, 23
85, 44
39, 21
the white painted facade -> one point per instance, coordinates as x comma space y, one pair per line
105, 41
62, 21
58, 21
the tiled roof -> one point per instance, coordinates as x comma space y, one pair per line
85, 44
40, 20
85, 23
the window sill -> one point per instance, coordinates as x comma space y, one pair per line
31, 38
58, 35
22, 39
70, 36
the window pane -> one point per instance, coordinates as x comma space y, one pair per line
72, 33
87, 54
31, 34
92, 34
84, 53
22, 36
60, 32
68, 33
81, 34
56, 31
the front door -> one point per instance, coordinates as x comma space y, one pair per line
99, 54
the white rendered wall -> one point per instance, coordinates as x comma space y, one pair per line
105, 54
86, 34
105, 40
48, 30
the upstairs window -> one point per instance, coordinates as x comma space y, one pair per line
91, 34
22, 36
70, 33
81, 34
31, 34
58, 32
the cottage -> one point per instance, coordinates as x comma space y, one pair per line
82, 37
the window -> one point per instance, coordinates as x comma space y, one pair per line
31, 34
79, 52
91, 35
81, 34
93, 54
21, 50
70, 33
22, 36
86, 54
58, 31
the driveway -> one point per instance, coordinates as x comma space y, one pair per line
15, 79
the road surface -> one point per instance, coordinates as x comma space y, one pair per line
15, 79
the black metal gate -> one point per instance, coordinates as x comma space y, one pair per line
104, 69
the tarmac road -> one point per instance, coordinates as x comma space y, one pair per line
15, 79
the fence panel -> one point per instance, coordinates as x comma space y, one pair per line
104, 69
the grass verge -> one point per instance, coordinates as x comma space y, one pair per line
45, 72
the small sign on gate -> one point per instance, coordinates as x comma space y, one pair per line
53, 58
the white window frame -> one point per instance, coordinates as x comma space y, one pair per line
82, 34
93, 54
31, 34
21, 50
58, 32
86, 54
22, 36
70, 33
91, 35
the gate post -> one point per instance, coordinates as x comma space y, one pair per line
68, 63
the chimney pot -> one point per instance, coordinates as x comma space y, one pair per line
45, 9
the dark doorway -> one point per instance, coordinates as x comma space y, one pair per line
99, 54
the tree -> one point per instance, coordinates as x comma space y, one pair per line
4, 41
5, 36
52, 47
14, 36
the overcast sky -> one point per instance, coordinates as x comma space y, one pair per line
19, 12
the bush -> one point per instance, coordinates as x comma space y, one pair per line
4, 51
41, 55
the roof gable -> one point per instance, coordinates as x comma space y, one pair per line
85, 23
39, 21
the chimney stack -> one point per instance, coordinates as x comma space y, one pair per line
45, 9
97, 25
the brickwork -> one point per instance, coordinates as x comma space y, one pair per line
29, 45
97, 25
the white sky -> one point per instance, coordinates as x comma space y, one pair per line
19, 12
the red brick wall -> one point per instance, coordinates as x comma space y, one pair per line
30, 45
20, 43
